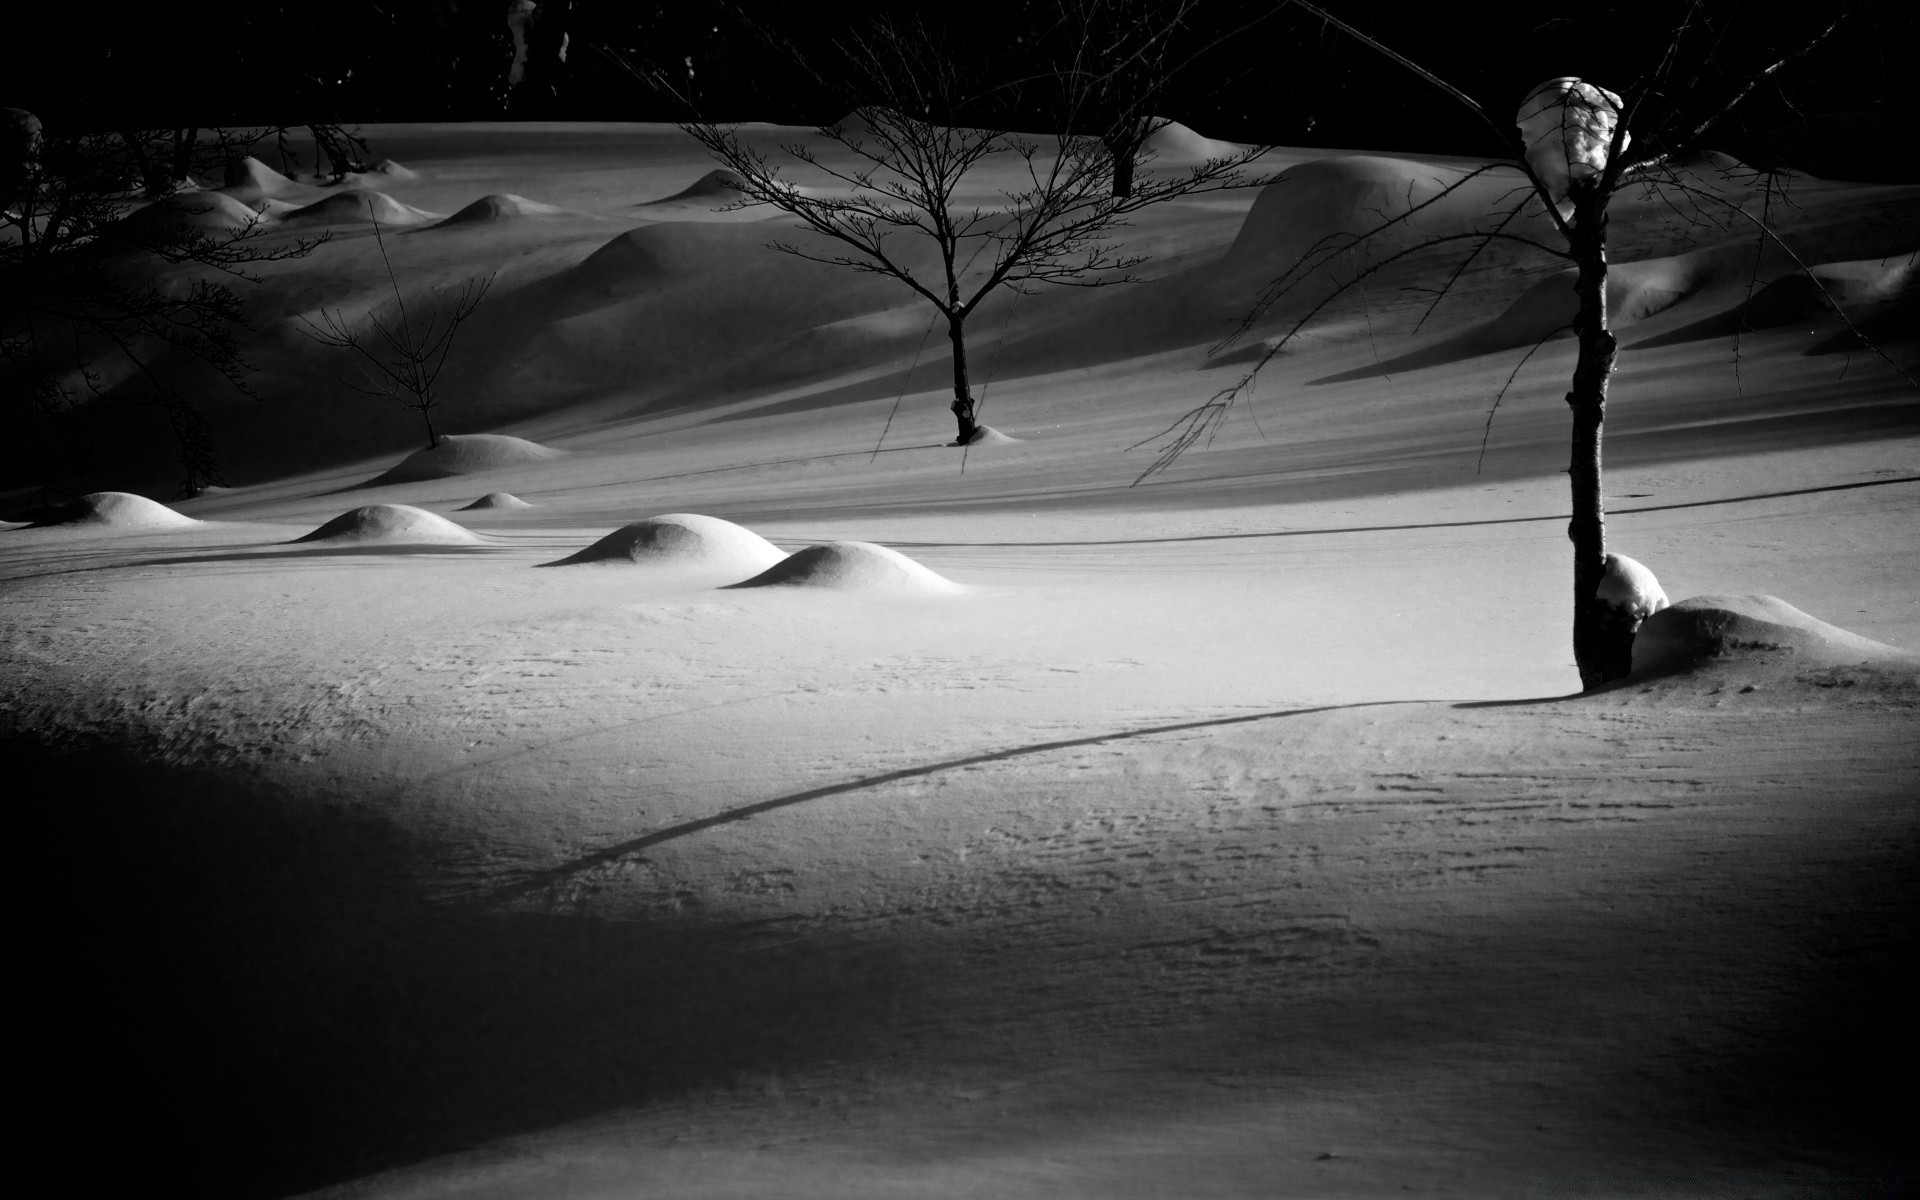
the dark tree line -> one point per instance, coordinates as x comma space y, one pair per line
1296, 83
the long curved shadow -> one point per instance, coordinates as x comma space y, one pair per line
1285, 533
540, 879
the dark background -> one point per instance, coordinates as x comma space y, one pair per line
1280, 77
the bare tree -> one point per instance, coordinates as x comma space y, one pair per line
401, 354
84, 327
1571, 151
923, 127
1120, 61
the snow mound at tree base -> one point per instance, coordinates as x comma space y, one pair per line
986, 435
683, 540
496, 500
121, 511
1709, 630
853, 566
391, 524
468, 454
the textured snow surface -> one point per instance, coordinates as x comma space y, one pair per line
1232, 834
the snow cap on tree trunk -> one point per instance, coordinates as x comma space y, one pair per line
1567, 126
1630, 588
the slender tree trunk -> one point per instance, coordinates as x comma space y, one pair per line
433, 439
183, 148
137, 146
962, 394
1125, 152
1602, 639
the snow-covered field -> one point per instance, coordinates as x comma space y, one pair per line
1231, 834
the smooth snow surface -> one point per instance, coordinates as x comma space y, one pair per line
854, 567
683, 539
467, 454
496, 500
390, 524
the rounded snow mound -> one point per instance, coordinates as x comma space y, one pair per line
391, 524
1705, 629
720, 185
1172, 142
682, 540
496, 500
1629, 586
391, 170
203, 212
123, 511
853, 566
1328, 202
468, 454
500, 206
251, 179
360, 205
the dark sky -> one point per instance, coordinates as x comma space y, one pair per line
1282, 77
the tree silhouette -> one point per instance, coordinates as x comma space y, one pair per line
85, 329
400, 354
925, 122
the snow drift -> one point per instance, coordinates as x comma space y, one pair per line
359, 205
249, 179
720, 186
391, 524
853, 566
121, 511
197, 212
496, 500
1703, 629
500, 206
682, 539
1861, 289
1171, 142
467, 454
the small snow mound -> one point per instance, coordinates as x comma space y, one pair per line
718, 185
392, 170
500, 206
986, 435
1631, 588
468, 454
391, 524
853, 566
123, 511
682, 539
254, 178
1703, 629
496, 500
1172, 142
356, 205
